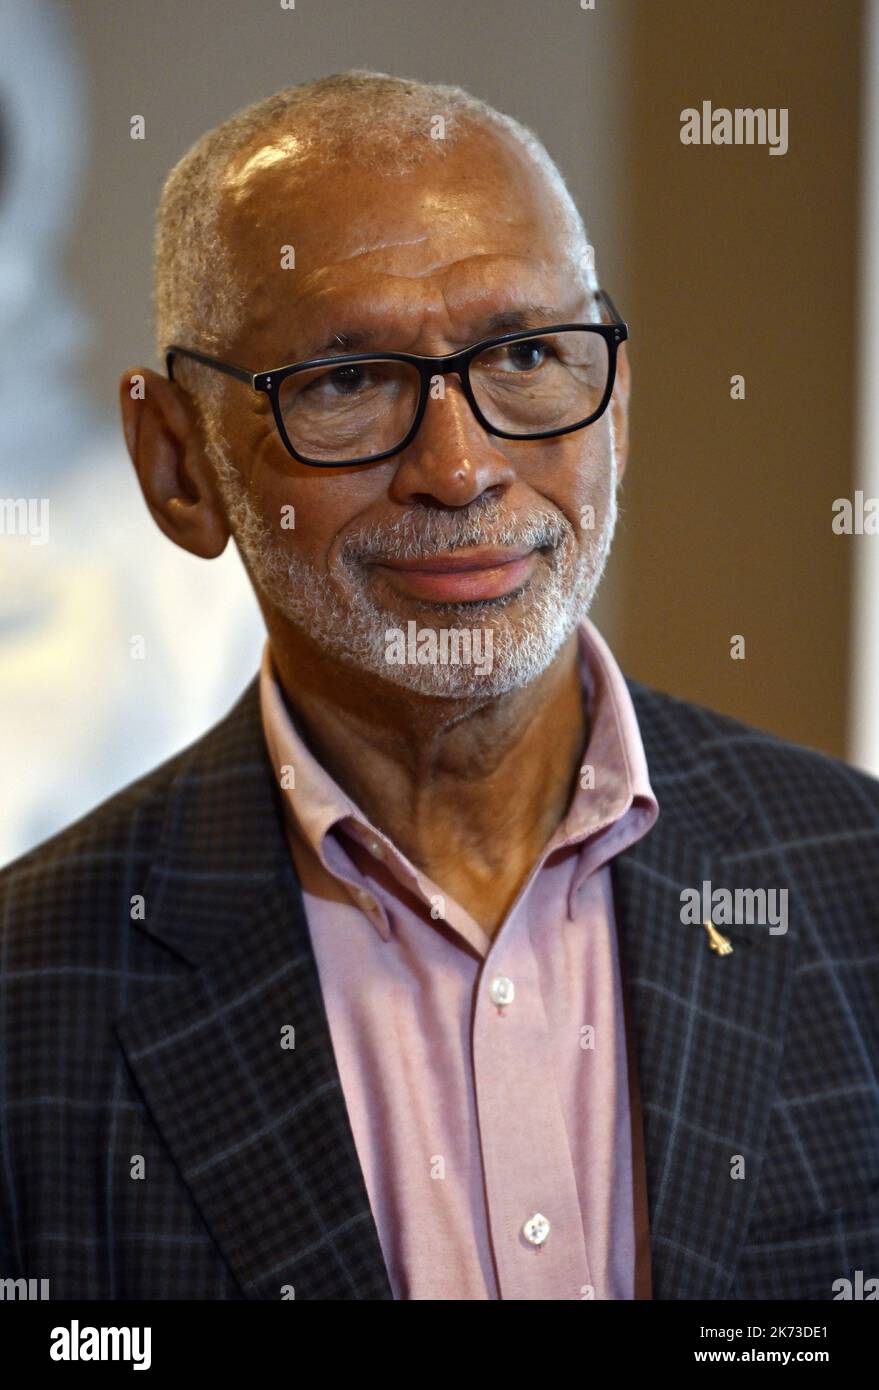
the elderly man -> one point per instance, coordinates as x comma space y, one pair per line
451, 964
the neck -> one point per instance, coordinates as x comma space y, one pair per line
469, 790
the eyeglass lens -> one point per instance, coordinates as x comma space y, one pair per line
361, 409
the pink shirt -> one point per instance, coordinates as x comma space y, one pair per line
472, 1116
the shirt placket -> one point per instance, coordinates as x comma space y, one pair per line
533, 1205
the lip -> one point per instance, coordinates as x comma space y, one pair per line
463, 575
478, 558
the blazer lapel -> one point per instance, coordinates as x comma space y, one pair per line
257, 1127
708, 1029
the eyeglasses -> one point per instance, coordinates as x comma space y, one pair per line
359, 408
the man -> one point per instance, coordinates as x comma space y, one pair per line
451, 964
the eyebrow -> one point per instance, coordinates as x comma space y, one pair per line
505, 321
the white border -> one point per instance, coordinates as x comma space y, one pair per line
864, 658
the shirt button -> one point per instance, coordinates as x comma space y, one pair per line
375, 847
502, 990
536, 1229
364, 899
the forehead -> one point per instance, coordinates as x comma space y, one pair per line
313, 240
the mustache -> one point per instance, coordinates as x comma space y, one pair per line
422, 533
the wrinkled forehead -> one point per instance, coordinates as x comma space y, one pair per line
285, 204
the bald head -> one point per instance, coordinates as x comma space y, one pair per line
301, 137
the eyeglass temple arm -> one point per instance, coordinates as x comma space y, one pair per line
238, 372
609, 305
241, 374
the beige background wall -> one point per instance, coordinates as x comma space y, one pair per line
738, 261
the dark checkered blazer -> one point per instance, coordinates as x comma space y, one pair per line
157, 1142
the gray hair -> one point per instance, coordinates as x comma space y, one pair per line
380, 121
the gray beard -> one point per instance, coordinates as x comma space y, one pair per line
339, 615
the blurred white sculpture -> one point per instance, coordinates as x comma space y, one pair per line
116, 648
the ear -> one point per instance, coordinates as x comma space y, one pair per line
164, 438
619, 406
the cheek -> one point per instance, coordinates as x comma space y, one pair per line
311, 512
577, 479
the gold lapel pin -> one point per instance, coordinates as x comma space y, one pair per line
721, 944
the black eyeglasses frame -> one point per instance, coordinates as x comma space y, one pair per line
614, 333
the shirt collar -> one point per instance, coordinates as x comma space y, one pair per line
612, 806
614, 767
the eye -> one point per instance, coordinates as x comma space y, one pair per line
343, 380
524, 356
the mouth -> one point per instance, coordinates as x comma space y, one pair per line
462, 576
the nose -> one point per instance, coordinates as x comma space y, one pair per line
452, 460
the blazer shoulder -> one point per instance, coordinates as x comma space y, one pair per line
679, 733
101, 847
